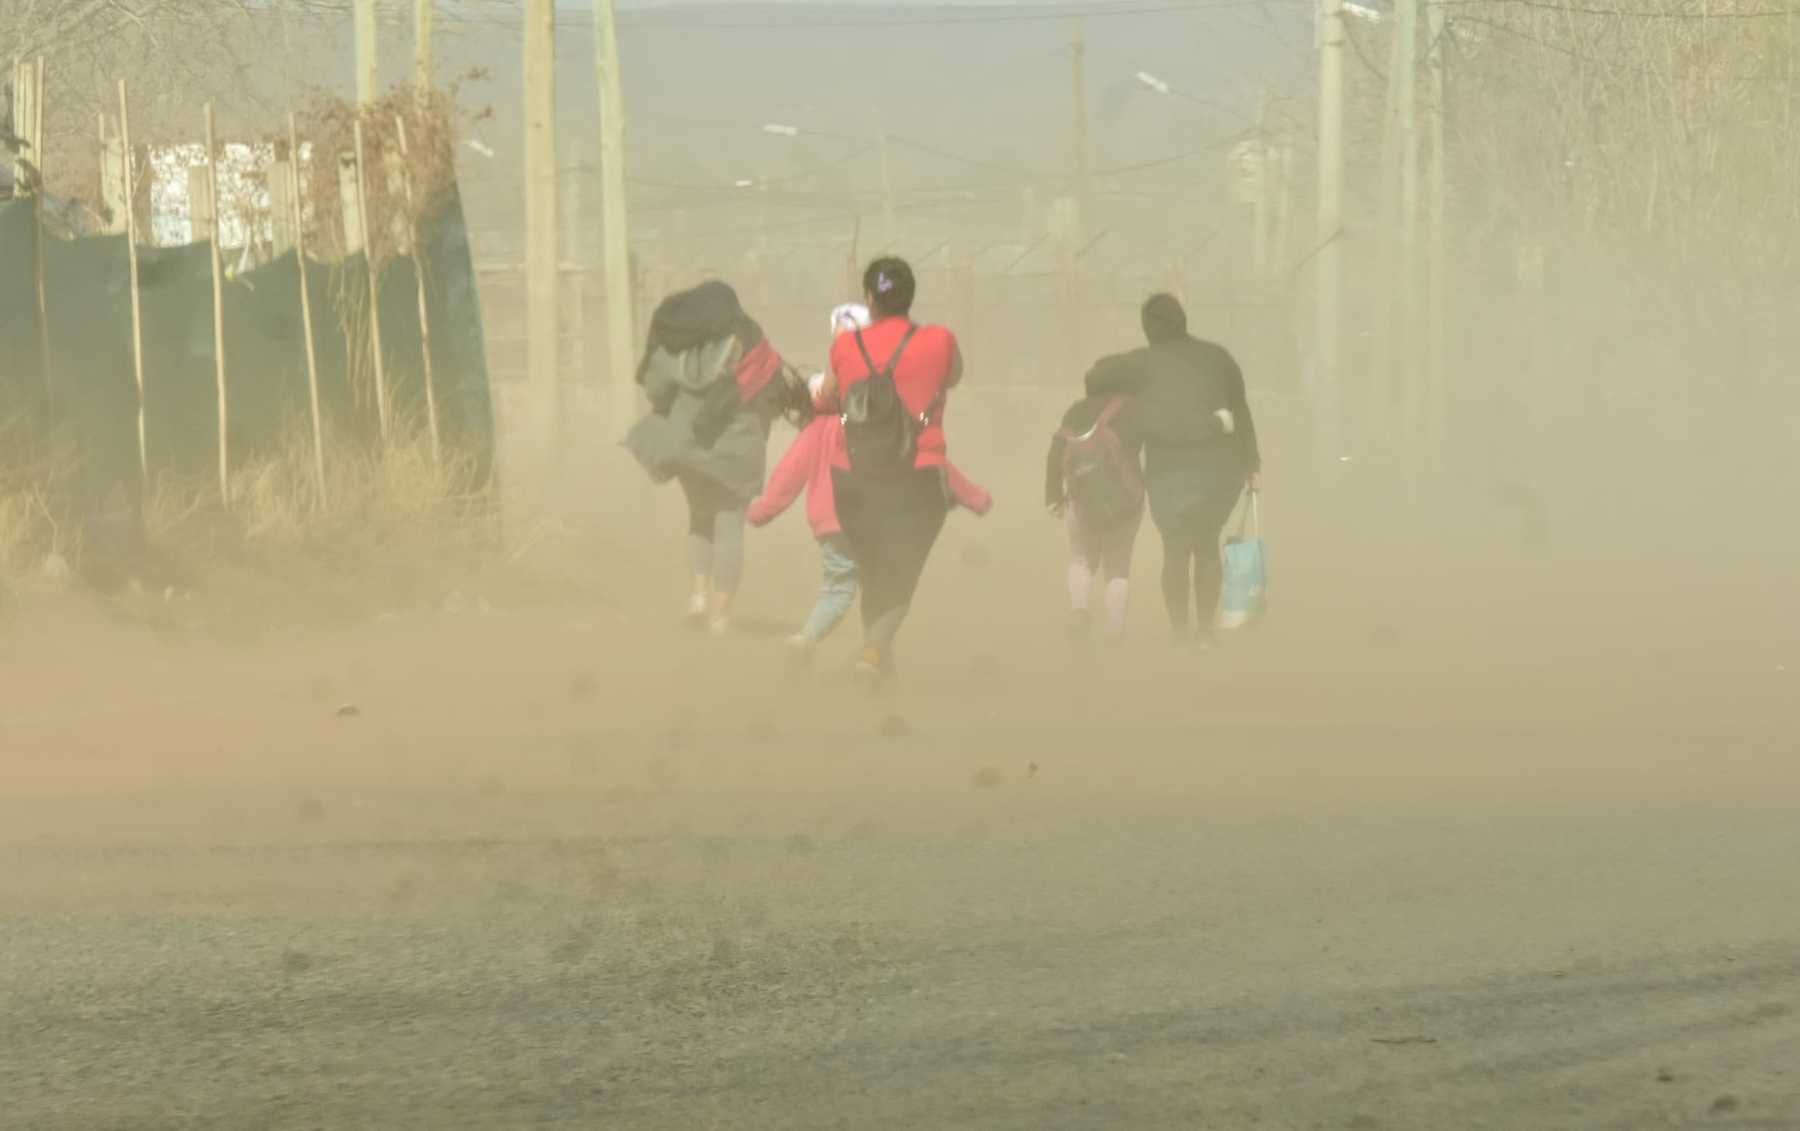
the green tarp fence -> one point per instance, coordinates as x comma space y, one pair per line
90, 392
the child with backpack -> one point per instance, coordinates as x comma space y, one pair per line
807, 467
1092, 480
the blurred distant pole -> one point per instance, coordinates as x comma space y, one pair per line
1437, 258
1329, 270
1386, 298
423, 61
1263, 216
1408, 369
889, 234
1083, 187
621, 337
365, 52
541, 240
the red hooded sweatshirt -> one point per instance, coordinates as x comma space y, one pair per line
807, 466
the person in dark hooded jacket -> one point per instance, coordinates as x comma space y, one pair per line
715, 386
1200, 451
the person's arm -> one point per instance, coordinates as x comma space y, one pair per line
789, 477
829, 388
1055, 491
966, 492
954, 376
1243, 422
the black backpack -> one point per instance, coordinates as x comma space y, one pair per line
1101, 478
880, 436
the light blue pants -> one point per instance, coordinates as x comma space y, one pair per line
837, 590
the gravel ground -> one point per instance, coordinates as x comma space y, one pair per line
1526, 863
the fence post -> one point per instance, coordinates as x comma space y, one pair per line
306, 322
137, 305
218, 304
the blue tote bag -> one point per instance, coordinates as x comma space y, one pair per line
1245, 595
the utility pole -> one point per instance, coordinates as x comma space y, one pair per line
1437, 328
1083, 186
365, 52
424, 67
621, 334
1329, 277
1380, 391
541, 243
1264, 205
1408, 368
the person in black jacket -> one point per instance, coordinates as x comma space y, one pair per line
1200, 451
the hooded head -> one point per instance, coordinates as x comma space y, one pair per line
1163, 319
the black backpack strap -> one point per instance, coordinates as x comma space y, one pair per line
862, 347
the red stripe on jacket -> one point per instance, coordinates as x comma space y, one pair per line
756, 370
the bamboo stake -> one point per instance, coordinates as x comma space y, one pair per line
362, 207
137, 306
218, 305
306, 322
418, 249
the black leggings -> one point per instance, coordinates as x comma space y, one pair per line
891, 525
1191, 556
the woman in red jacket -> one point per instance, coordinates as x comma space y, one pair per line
892, 518
807, 468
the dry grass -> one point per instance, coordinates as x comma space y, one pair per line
396, 532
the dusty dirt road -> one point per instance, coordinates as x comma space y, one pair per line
1514, 851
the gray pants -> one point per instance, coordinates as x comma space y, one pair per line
715, 541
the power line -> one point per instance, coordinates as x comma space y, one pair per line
1622, 13
1047, 15
1176, 159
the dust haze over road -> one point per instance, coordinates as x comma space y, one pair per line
1499, 851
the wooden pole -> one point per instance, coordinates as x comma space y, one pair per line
541, 278
423, 63
367, 57
1408, 337
1437, 255
1078, 76
1283, 157
362, 208
37, 220
418, 251
218, 304
1263, 212
137, 307
621, 335
1329, 279
576, 258
306, 320
1383, 335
